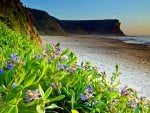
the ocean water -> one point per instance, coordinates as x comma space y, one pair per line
135, 40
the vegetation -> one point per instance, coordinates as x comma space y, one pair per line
36, 80
18, 18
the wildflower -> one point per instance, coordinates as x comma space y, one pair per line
61, 66
83, 97
38, 56
95, 102
142, 98
14, 57
125, 91
14, 85
1, 71
57, 51
89, 89
70, 70
32, 95
52, 85
10, 65
87, 103
64, 66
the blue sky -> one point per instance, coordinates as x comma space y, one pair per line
134, 15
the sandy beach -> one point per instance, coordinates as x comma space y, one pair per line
133, 59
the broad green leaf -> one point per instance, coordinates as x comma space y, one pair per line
58, 98
41, 91
30, 103
13, 101
73, 61
48, 92
137, 110
72, 99
65, 52
29, 80
40, 109
13, 109
53, 106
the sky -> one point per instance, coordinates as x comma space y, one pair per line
134, 15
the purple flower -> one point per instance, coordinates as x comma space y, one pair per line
142, 97
38, 56
10, 65
89, 89
14, 57
64, 66
1, 71
52, 85
125, 91
87, 103
32, 95
70, 70
14, 85
83, 97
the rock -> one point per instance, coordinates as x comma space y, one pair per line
46, 24
100, 27
49, 25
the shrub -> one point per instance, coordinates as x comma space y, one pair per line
39, 80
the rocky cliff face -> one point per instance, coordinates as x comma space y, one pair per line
18, 18
102, 27
49, 25
46, 24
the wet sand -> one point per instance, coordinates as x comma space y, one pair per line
105, 53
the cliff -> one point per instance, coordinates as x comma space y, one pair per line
101, 27
46, 24
49, 25
18, 18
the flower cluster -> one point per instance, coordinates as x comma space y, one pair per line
88, 94
125, 91
38, 56
14, 57
56, 86
32, 95
10, 65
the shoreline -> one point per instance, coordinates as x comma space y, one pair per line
105, 53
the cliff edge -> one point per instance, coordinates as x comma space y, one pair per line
49, 25
100, 27
18, 18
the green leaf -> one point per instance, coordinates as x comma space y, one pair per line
137, 110
72, 98
29, 80
13, 109
73, 61
30, 103
58, 98
48, 92
53, 106
65, 52
13, 101
41, 91
40, 109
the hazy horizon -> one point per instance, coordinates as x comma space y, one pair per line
133, 15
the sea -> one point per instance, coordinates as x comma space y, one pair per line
134, 39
